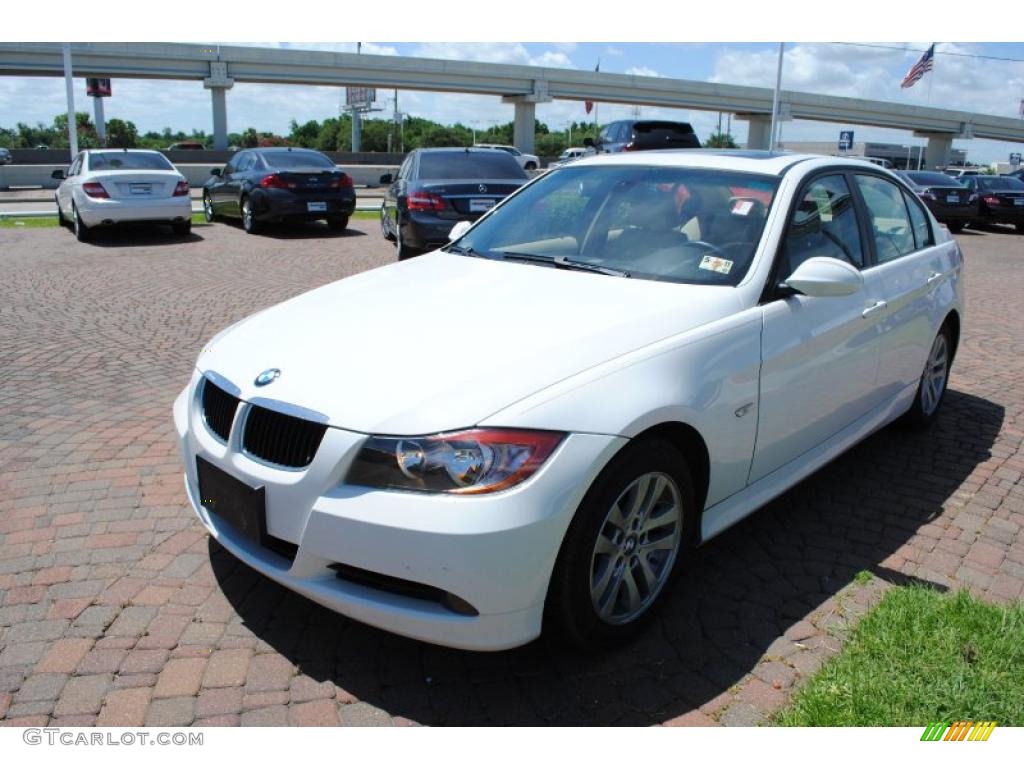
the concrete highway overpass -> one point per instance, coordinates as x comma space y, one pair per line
220, 67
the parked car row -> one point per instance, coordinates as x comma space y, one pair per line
971, 197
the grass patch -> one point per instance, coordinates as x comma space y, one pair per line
11, 221
917, 657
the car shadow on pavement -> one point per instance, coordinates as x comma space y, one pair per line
302, 230
740, 594
133, 237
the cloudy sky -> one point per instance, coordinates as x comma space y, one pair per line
975, 77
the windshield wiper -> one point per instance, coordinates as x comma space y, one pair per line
463, 250
563, 262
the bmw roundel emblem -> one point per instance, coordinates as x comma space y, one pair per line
267, 376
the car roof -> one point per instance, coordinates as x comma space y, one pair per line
748, 160
118, 149
424, 150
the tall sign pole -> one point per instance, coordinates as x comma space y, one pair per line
775, 100
70, 86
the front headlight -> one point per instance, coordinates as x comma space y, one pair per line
473, 461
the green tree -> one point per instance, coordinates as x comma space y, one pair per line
304, 135
249, 138
121, 133
721, 141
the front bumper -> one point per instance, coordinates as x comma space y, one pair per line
494, 551
97, 211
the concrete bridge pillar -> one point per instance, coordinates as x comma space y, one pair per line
218, 84
759, 130
524, 122
938, 150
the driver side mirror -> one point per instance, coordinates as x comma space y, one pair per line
387, 178
825, 276
588, 142
215, 172
459, 230
58, 175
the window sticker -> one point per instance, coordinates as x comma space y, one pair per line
742, 207
716, 264
821, 199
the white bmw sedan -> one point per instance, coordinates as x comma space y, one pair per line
106, 187
533, 426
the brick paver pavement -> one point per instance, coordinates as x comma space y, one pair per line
116, 608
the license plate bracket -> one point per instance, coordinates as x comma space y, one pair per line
232, 500
1019, 201
316, 207
480, 205
140, 189
952, 199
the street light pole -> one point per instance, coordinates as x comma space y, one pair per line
775, 100
70, 85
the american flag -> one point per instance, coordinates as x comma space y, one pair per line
923, 65
589, 105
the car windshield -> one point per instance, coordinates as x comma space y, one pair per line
290, 158
489, 164
929, 178
128, 161
686, 225
1000, 182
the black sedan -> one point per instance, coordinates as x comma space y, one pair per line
279, 184
435, 188
950, 200
1001, 199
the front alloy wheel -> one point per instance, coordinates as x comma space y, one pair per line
636, 548
624, 546
208, 207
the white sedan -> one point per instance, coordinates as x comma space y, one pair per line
533, 426
526, 162
107, 187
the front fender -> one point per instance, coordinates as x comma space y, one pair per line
706, 378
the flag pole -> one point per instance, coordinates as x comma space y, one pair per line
775, 99
932, 73
70, 88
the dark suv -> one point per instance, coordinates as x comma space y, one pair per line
631, 135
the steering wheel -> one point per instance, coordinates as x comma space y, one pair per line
705, 244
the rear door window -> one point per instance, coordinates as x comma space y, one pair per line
919, 221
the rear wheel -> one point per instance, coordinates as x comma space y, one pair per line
531, 166
82, 232
337, 223
208, 213
623, 548
182, 228
249, 223
932, 388
61, 221
1020, 226
957, 226
404, 251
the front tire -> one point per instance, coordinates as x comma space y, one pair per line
249, 223
384, 225
957, 226
934, 379
1020, 226
530, 166
61, 221
622, 550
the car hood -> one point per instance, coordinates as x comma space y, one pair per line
443, 341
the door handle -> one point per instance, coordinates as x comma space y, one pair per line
875, 308
936, 277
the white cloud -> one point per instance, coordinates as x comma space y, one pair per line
644, 71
